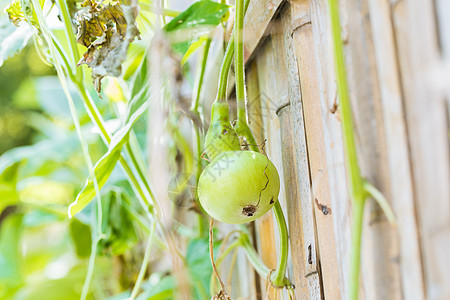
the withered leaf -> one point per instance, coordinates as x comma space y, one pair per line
22, 11
107, 29
15, 13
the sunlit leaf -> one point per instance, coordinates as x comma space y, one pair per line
196, 21
102, 170
106, 164
191, 50
22, 11
45, 191
140, 92
67, 288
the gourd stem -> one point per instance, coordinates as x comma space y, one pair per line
225, 70
278, 278
196, 113
226, 64
356, 182
239, 61
242, 129
201, 75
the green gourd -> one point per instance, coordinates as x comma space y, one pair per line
238, 186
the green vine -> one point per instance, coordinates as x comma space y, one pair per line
359, 188
243, 130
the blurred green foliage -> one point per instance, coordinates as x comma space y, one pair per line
18, 97
43, 253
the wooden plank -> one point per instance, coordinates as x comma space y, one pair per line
285, 62
381, 278
398, 154
310, 106
332, 138
427, 119
306, 281
257, 20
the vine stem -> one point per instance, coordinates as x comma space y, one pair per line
226, 64
201, 75
197, 129
239, 61
356, 182
98, 235
144, 264
242, 129
211, 255
139, 183
358, 210
278, 278
75, 56
254, 258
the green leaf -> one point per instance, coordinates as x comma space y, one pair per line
162, 290
55, 149
38, 217
11, 276
67, 288
8, 192
117, 225
199, 265
140, 92
192, 48
13, 39
196, 21
81, 237
102, 170
104, 167
140, 80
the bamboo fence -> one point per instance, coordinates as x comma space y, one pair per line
397, 56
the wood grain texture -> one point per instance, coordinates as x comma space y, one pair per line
294, 210
285, 61
395, 133
257, 20
399, 92
381, 278
320, 196
332, 138
427, 119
